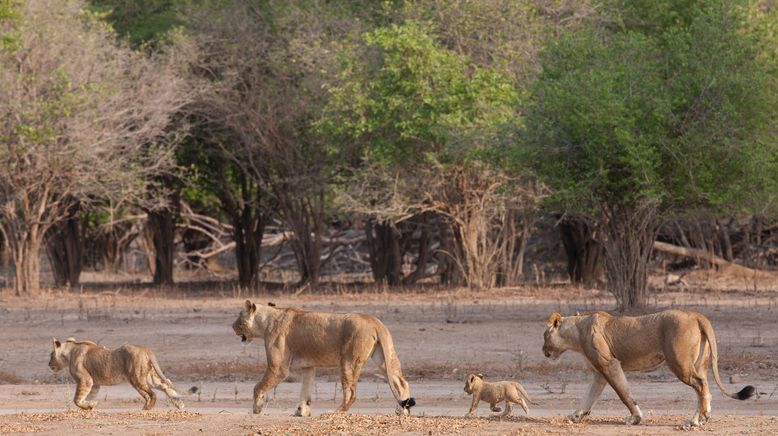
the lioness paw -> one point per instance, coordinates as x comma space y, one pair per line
632, 420
577, 416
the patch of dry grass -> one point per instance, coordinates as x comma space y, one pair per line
346, 424
9, 377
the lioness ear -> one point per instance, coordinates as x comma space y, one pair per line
250, 307
271, 304
479, 375
554, 320
55, 343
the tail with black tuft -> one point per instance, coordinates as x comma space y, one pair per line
746, 393
408, 403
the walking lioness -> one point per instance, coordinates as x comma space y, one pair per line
313, 339
93, 365
614, 344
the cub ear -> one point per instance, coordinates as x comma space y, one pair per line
479, 375
554, 320
250, 307
55, 343
271, 304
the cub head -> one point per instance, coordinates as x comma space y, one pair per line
472, 382
553, 344
57, 360
243, 326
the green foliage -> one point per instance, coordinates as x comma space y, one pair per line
405, 98
9, 16
678, 105
141, 21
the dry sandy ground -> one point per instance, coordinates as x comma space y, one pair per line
439, 337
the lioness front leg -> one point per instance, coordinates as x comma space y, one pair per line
83, 393
304, 408
615, 376
594, 392
273, 376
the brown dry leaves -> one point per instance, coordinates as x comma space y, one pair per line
345, 424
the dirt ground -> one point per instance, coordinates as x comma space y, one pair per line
439, 336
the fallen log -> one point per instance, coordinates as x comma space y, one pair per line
706, 256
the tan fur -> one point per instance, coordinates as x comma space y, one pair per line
92, 366
493, 393
614, 344
313, 339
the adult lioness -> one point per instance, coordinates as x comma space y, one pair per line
313, 339
92, 366
614, 344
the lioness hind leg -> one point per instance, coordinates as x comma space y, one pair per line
349, 377
495, 408
690, 365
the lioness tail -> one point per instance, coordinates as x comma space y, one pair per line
707, 330
387, 347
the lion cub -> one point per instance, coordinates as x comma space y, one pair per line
493, 393
93, 365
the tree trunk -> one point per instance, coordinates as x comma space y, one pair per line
26, 258
162, 225
630, 236
385, 255
304, 214
448, 264
425, 242
248, 228
64, 245
585, 254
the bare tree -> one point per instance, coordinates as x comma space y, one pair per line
82, 118
267, 61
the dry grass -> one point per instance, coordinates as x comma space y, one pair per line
345, 424
9, 377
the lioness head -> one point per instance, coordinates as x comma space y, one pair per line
243, 325
57, 361
472, 382
553, 344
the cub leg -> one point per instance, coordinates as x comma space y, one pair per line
513, 396
495, 408
594, 392
83, 391
304, 408
166, 386
92, 397
508, 408
145, 391
474, 404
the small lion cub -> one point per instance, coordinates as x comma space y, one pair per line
493, 393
